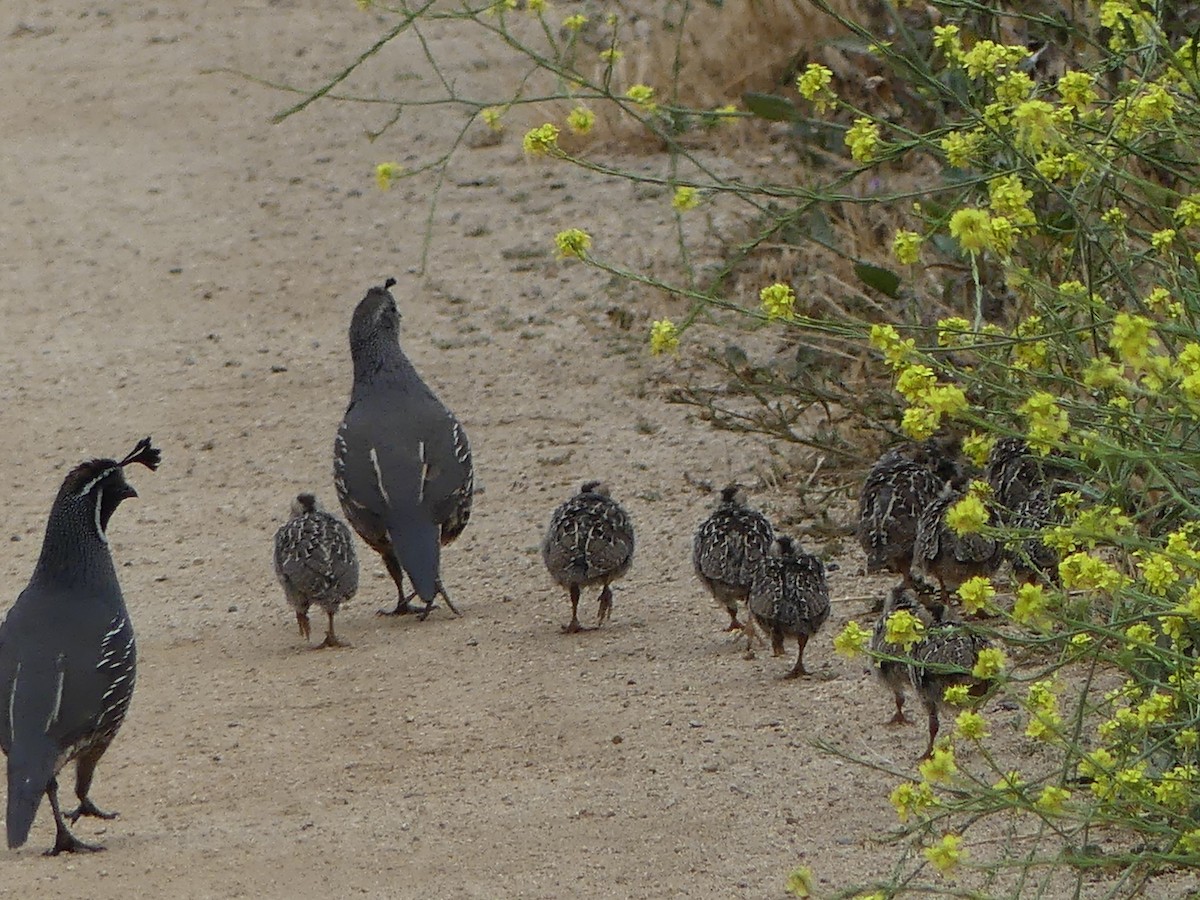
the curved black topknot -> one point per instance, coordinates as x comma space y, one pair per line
387, 284
144, 453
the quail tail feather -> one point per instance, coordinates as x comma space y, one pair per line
417, 546
30, 769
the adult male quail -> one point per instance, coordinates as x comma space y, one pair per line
942, 659
315, 563
891, 661
67, 654
942, 556
728, 548
790, 598
589, 541
401, 460
901, 484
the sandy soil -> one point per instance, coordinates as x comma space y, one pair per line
176, 266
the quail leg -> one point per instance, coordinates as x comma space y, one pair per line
302, 621
933, 730
64, 841
798, 669
574, 627
899, 718
397, 573
605, 606
431, 606
85, 768
331, 639
734, 624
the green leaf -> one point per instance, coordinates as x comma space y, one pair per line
771, 107
883, 280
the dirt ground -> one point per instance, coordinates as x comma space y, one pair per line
174, 265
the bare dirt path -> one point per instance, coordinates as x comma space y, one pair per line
173, 265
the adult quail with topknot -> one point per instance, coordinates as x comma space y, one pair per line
940, 555
728, 548
901, 484
67, 654
789, 598
589, 541
890, 661
942, 659
401, 460
315, 562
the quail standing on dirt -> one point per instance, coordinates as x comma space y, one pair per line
892, 663
790, 598
942, 556
67, 655
942, 659
728, 548
401, 460
315, 563
589, 541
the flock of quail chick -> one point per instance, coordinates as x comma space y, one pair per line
405, 480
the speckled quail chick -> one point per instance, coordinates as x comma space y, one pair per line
1023, 487
946, 558
895, 672
589, 541
68, 658
401, 461
901, 484
315, 563
944, 658
728, 548
789, 598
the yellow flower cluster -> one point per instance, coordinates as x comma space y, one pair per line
910, 798
906, 247
852, 640
940, 767
573, 242
778, 301
1030, 607
664, 337
1084, 571
1042, 703
903, 629
386, 173
643, 96
976, 593
989, 663
814, 84
863, 140
581, 119
541, 140
946, 854
685, 198
1047, 422
968, 515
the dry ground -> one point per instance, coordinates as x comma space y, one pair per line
174, 265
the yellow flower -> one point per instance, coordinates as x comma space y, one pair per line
1159, 573
1102, 374
643, 96
920, 422
915, 381
1033, 121
939, 767
1042, 703
1013, 88
945, 854
903, 629
906, 247
960, 146
799, 883
977, 447
536, 6
1139, 634
573, 242
990, 58
575, 22
976, 593
541, 140
814, 84
1050, 801
967, 516
1048, 424
778, 301
947, 38
989, 663
491, 117
971, 725
1132, 339
957, 695
863, 140
886, 339
611, 54
852, 640
1080, 570
685, 198
581, 119
1162, 240
1009, 197
664, 336
1030, 607
972, 228
1076, 89
1187, 213
952, 331
909, 798
386, 173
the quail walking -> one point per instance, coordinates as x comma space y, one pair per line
790, 598
315, 563
728, 548
891, 662
67, 654
401, 460
947, 558
589, 541
944, 658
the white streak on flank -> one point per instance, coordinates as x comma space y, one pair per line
379, 476
424, 471
58, 691
12, 702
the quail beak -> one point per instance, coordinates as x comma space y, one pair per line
127, 492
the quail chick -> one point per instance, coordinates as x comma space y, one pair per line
1032, 559
1024, 486
401, 461
1013, 472
728, 548
68, 659
315, 563
901, 484
944, 658
947, 558
790, 598
589, 541
895, 672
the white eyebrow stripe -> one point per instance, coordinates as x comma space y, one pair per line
95, 481
379, 476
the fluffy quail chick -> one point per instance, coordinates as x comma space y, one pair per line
401, 460
315, 562
728, 548
589, 541
947, 558
944, 658
790, 598
1032, 559
894, 672
902, 483
68, 657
